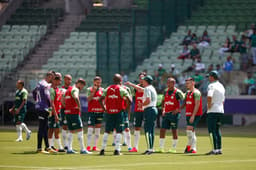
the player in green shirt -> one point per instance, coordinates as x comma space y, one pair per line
19, 110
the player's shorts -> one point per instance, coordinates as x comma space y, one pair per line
52, 124
74, 121
63, 119
19, 118
126, 120
150, 115
94, 118
170, 121
114, 121
138, 116
196, 121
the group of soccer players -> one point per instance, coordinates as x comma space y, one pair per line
59, 109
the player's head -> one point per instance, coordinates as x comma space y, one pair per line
171, 83
213, 76
20, 84
49, 76
80, 83
147, 80
117, 79
141, 75
190, 83
57, 79
97, 81
67, 80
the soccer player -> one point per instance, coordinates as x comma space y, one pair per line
115, 96
95, 112
19, 110
138, 114
54, 124
171, 114
63, 120
193, 104
215, 111
149, 101
41, 95
73, 115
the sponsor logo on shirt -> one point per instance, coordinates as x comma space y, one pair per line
169, 103
113, 96
188, 102
96, 98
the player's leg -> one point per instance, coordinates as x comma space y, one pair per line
189, 132
98, 122
138, 123
165, 125
194, 138
218, 133
24, 126
18, 121
174, 126
118, 125
108, 129
70, 134
127, 133
91, 123
64, 129
80, 133
57, 137
50, 132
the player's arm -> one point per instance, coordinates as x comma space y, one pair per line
138, 88
63, 100
126, 94
184, 102
180, 97
90, 93
197, 97
163, 104
209, 97
75, 95
52, 96
101, 100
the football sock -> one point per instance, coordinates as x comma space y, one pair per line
89, 136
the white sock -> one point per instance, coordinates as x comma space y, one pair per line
80, 136
89, 136
51, 142
104, 140
118, 141
96, 136
190, 137
161, 143
114, 137
124, 136
136, 138
24, 126
128, 139
194, 139
64, 137
70, 141
19, 131
174, 143
59, 143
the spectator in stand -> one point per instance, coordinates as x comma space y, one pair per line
194, 39
249, 32
253, 46
250, 83
204, 40
200, 67
210, 68
218, 69
243, 53
184, 53
182, 80
228, 67
225, 47
173, 72
194, 52
198, 79
161, 71
187, 38
235, 45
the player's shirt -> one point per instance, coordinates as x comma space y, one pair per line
191, 97
171, 99
138, 99
129, 93
94, 104
150, 92
217, 92
56, 95
114, 95
71, 105
20, 96
41, 95
63, 90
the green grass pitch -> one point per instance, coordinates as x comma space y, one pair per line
239, 153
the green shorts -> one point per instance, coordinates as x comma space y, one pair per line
126, 120
52, 124
94, 118
63, 119
150, 115
170, 121
19, 118
74, 121
114, 121
196, 121
138, 116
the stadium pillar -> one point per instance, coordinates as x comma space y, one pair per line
3, 113
133, 39
148, 28
119, 48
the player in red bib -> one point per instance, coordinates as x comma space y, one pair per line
194, 111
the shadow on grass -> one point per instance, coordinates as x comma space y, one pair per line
7, 140
26, 153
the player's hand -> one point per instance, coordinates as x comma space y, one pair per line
127, 83
56, 119
163, 112
176, 111
192, 118
17, 111
11, 110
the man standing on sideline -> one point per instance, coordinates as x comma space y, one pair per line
19, 110
63, 119
215, 111
194, 111
41, 95
73, 115
95, 112
115, 96
171, 114
138, 114
149, 100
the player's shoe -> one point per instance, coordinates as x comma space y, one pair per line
52, 147
61, 150
188, 148
129, 149
41, 151
192, 151
113, 144
88, 148
102, 152
95, 149
50, 150
211, 153
28, 135
145, 153
149, 152
117, 152
66, 148
172, 151
19, 140
160, 150
218, 153
124, 144
85, 152
71, 152
133, 150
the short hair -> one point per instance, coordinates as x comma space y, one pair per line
68, 76
97, 78
172, 79
21, 82
50, 73
143, 73
57, 76
190, 79
81, 80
